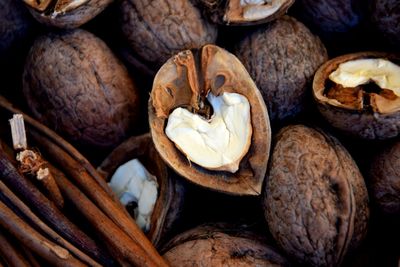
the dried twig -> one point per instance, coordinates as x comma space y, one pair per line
11, 255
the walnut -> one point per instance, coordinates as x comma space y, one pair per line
316, 201
74, 84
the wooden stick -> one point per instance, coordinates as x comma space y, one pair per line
91, 188
39, 224
51, 252
30, 257
110, 232
11, 255
47, 210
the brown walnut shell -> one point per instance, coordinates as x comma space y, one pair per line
220, 72
171, 191
66, 14
316, 201
385, 179
385, 14
221, 245
370, 122
158, 29
74, 84
282, 59
229, 12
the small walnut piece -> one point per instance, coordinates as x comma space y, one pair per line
361, 71
216, 144
133, 183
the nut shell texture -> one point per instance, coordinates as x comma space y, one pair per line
316, 202
386, 16
282, 59
74, 84
158, 29
385, 179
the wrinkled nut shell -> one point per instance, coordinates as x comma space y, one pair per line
282, 59
221, 72
73, 18
170, 191
316, 202
74, 84
386, 16
385, 179
215, 246
363, 124
158, 29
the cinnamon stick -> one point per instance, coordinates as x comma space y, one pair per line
6, 193
51, 252
47, 210
10, 253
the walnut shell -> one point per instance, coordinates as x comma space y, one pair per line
219, 72
158, 29
229, 12
385, 179
282, 59
316, 201
74, 84
65, 14
221, 245
366, 123
385, 14
171, 191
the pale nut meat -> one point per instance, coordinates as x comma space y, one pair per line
359, 94
245, 12
316, 201
218, 143
66, 14
213, 84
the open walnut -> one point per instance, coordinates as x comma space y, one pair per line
360, 94
245, 12
316, 201
209, 122
170, 192
66, 13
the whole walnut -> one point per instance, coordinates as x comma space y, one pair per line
385, 179
74, 84
158, 29
385, 14
316, 201
282, 59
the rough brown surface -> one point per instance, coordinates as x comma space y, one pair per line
184, 81
330, 16
71, 18
74, 84
212, 246
367, 122
156, 30
316, 202
282, 59
385, 179
385, 14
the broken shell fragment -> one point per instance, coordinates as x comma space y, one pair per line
316, 201
164, 215
213, 84
359, 94
245, 12
66, 14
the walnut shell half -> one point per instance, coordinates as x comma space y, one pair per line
184, 81
66, 14
316, 201
221, 245
359, 111
170, 190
